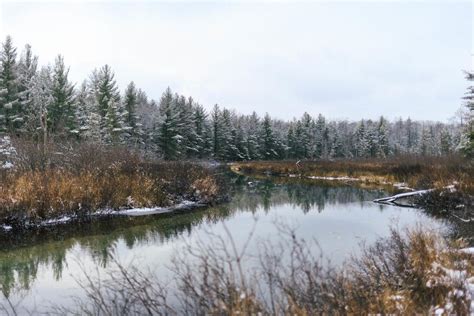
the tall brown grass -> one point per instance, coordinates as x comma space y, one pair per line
416, 171
81, 178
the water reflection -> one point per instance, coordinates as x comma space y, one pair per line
22, 257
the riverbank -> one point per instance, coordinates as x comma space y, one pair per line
100, 182
403, 173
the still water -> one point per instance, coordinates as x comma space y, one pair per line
39, 269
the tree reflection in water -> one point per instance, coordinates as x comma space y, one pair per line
22, 254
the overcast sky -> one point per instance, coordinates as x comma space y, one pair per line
342, 59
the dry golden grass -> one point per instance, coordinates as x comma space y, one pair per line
87, 178
417, 172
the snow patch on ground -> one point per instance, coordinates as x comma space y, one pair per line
6, 227
468, 250
403, 186
333, 178
184, 205
7, 165
157, 210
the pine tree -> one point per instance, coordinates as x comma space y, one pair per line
27, 69
11, 112
106, 99
186, 126
268, 146
253, 146
361, 141
307, 139
320, 137
216, 132
445, 142
132, 124
228, 149
87, 119
336, 147
382, 138
168, 138
425, 142
114, 132
467, 143
41, 94
203, 134
61, 111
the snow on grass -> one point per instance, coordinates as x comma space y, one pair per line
158, 210
468, 250
7, 165
6, 227
333, 178
403, 186
184, 205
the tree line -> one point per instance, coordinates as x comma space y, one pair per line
42, 103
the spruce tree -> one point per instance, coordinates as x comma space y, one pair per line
11, 112
382, 138
203, 143
27, 70
168, 138
41, 94
361, 141
320, 137
132, 124
268, 145
467, 143
106, 100
61, 111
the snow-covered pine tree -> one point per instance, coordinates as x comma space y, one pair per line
307, 139
216, 131
425, 141
467, 142
186, 126
268, 144
291, 142
203, 142
11, 112
106, 99
168, 138
445, 142
114, 132
337, 150
252, 135
228, 148
238, 139
41, 94
412, 136
148, 114
62, 111
132, 124
382, 138
27, 69
361, 146
320, 138
84, 114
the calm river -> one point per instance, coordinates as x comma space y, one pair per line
37, 270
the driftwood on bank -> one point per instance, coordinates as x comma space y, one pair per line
393, 199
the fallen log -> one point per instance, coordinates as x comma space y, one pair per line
392, 199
